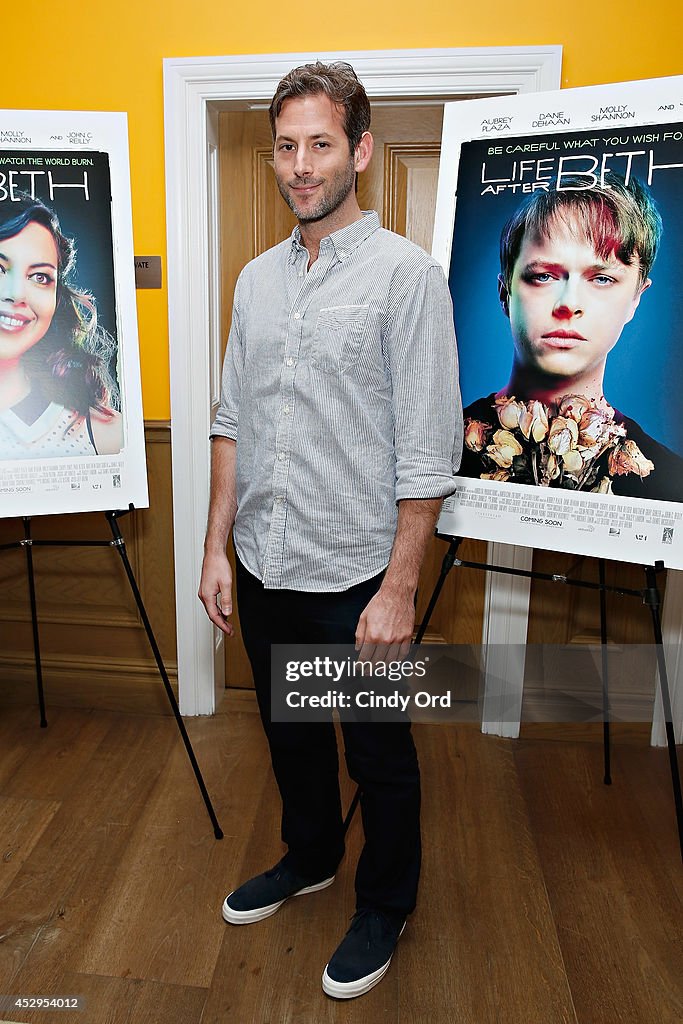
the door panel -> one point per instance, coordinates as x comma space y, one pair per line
253, 216
571, 615
401, 184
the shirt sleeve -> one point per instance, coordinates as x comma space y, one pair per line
225, 422
423, 362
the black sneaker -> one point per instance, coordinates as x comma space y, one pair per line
364, 954
264, 895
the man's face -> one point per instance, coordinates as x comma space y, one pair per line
314, 168
567, 306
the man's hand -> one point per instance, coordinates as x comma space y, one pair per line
385, 627
215, 587
215, 590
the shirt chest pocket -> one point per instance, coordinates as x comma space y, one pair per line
338, 337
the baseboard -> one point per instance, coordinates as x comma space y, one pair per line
111, 684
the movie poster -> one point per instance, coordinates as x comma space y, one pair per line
560, 226
71, 428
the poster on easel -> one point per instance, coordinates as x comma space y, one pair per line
559, 223
560, 226
71, 425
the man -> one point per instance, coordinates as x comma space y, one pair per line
575, 263
339, 403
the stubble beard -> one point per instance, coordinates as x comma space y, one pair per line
339, 188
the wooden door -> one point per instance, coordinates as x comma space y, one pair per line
401, 185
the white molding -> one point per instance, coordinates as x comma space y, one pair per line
506, 618
672, 635
191, 85
385, 73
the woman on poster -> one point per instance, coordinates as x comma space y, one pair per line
574, 265
58, 395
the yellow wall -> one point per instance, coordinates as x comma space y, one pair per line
107, 56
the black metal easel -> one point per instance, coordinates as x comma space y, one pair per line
119, 544
650, 596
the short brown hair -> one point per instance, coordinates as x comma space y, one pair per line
616, 217
338, 81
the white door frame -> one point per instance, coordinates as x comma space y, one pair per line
192, 86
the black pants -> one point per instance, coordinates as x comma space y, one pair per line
380, 757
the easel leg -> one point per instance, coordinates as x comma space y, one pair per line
446, 566
352, 810
27, 545
120, 545
653, 600
607, 778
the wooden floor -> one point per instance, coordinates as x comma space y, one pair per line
547, 898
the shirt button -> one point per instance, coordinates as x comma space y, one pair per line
289, 361
281, 456
297, 316
286, 410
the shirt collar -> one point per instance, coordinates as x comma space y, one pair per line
346, 240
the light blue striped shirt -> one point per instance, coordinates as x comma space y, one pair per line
340, 387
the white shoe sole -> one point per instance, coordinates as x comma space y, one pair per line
351, 989
260, 913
